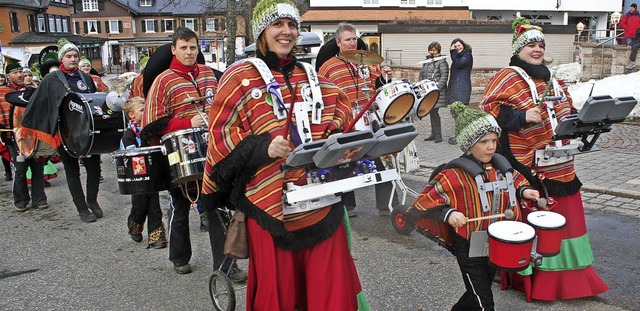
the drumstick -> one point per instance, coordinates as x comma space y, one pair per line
6, 130
362, 111
508, 214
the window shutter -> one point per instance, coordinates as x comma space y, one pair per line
119, 26
100, 5
204, 25
107, 29
195, 25
162, 26
155, 25
143, 25
98, 24
86, 27
182, 23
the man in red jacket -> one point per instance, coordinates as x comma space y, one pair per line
630, 22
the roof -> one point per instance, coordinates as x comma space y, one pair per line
383, 15
39, 38
172, 7
26, 3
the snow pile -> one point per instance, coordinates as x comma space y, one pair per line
569, 73
615, 86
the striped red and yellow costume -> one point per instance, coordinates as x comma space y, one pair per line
569, 274
292, 257
345, 75
136, 87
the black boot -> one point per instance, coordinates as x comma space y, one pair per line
430, 137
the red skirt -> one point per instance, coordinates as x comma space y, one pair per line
569, 274
322, 277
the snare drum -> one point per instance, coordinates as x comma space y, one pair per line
510, 244
395, 101
87, 126
427, 95
548, 226
186, 151
139, 170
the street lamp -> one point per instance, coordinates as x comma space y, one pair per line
579, 28
615, 19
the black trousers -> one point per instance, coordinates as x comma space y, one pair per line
477, 275
20, 189
218, 223
179, 238
72, 172
436, 127
146, 207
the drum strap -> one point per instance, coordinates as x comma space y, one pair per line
64, 81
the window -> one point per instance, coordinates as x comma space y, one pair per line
145, 3
92, 27
65, 24
494, 18
52, 24
89, 5
219, 24
13, 20
432, 2
189, 23
411, 2
114, 26
76, 28
210, 25
41, 27
58, 24
149, 25
370, 1
168, 25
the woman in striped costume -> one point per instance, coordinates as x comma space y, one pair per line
526, 128
297, 261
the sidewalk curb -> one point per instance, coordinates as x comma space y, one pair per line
586, 188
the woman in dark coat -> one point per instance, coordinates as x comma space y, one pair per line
460, 75
436, 69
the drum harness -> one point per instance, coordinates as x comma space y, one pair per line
301, 110
504, 181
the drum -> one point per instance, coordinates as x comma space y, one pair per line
87, 126
427, 95
395, 101
510, 244
548, 227
29, 146
139, 170
186, 151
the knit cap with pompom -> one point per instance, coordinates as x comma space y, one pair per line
268, 11
471, 125
524, 33
84, 60
65, 46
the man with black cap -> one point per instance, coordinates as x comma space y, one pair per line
42, 115
10, 113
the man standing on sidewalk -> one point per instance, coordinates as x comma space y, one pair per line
630, 22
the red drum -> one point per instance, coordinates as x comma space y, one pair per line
88, 126
427, 96
139, 170
186, 151
548, 227
395, 101
510, 244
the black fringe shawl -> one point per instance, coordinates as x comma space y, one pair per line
232, 174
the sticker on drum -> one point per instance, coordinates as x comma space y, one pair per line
186, 150
510, 244
140, 170
427, 95
173, 157
395, 101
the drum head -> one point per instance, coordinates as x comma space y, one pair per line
399, 108
509, 231
427, 103
76, 122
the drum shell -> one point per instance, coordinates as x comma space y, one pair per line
549, 233
87, 126
186, 152
427, 96
510, 254
395, 101
149, 176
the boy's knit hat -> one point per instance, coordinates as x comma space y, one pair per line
471, 125
84, 60
65, 46
267, 11
524, 33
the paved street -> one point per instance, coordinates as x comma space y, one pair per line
49, 260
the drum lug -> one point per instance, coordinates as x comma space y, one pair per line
536, 259
163, 149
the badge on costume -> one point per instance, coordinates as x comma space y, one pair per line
306, 92
209, 93
81, 86
256, 94
245, 82
364, 72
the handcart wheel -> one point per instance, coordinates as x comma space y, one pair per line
399, 223
223, 296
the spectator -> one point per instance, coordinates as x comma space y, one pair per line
630, 22
436, 69
460, 75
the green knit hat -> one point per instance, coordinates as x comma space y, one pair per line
471, 125
65, 46
524, 33
84, 60
268, 11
